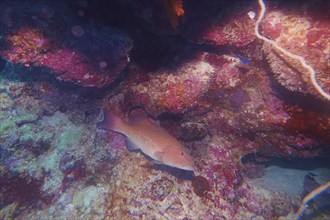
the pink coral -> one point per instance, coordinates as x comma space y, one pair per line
30, 46
233, 28
72, 66
94, 58
26, 45
175, 90
237, 31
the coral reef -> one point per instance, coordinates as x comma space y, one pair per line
92, 58
174, 91
211, 77
44, 153
304, 37
231, 28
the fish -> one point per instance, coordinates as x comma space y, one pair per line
151, 139
241, 58
174, 9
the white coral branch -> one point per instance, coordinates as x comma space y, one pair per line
310, 196
288, 53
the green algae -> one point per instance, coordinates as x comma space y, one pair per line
5, 126
70, 136
66, 136
5, 101
89, 199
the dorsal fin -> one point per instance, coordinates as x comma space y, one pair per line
147, 122
143, 120
138, 118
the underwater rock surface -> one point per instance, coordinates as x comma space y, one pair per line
303, 30
47, 35
198, 70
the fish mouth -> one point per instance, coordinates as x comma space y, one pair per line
189, 168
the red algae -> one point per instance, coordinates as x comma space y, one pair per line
309, 123
20, 188
174, 91
26, 45
84, 63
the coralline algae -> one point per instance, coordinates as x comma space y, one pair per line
55, 163
92, 59
304, 36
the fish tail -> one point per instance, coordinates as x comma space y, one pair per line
111, 122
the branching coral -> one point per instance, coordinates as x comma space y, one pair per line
288, 53
309, 197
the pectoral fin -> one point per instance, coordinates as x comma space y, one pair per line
158, 155
130, 145
156, 162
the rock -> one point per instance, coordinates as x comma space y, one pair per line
302, 30
94, 57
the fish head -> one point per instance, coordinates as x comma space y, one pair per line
180, 159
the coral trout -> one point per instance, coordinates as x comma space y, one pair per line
151, 139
